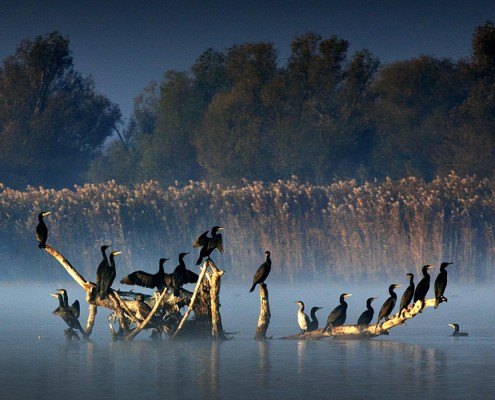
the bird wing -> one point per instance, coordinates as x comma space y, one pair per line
76, 308
139, 278
201, 240
216, 243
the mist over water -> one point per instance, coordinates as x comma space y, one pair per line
419, 360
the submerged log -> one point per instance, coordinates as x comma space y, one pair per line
367, 331
264, 318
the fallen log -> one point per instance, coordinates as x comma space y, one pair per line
366, 331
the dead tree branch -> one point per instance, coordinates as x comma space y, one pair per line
367, 331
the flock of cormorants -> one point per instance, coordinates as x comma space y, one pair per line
161, 280
338, 315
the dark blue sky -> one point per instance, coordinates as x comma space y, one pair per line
126, 44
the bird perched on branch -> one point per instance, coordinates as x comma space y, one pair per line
367, 315
67, 315
441, 284
42, 230
338, 315
208, 244
75, 308
389, 304
105, 275
145, 279
302, 318
182, 275
407, 295
313, 324
262, 272
424, 285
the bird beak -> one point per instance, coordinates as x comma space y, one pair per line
54, 295
46, 213
348, 295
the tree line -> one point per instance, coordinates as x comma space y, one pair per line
241, 113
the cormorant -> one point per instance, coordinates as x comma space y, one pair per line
424, 285
407, 295
441, 284
75, 308
209, 244
367, 315
262, 272
389, 304
456, 331
182, 275
338, 315
302, 318
41, 229
105, 275
67, 315
141, 308
145, 279
313, 324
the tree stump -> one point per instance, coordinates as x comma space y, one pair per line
264, 318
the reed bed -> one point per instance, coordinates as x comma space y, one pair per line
343, 231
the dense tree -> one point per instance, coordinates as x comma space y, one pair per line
52, 121
413, 101
231, 143
325, 115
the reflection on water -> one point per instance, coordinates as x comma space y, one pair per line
417, 361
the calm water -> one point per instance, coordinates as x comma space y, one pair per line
419, 360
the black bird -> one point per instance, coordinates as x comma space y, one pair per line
407, 295
41, 229
389, 304
302, 318
145, 279
313, 324
456, 331
441, 284
105, 275
262, 272
182, 275
339, 314
75, 308
67, 315
103, 265
424, 285
208, 244
367, 315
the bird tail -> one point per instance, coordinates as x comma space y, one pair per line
199, 260
41, 246
252, 288
437, 302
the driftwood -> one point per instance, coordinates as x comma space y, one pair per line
208, 321
128, 311
264, 318
367, 331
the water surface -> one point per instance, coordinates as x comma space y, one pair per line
416, 361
